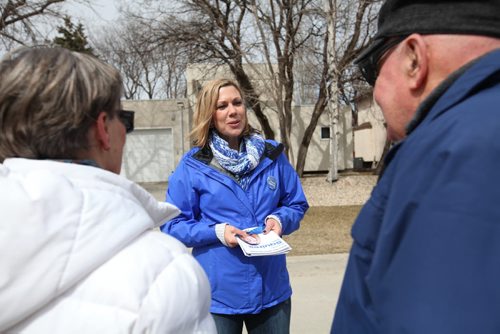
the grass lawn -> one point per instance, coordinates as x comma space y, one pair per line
325, 229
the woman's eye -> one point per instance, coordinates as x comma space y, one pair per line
222, 106
238, 103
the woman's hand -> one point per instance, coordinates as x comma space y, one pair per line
272, 225
230, 233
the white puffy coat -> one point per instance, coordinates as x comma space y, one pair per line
78, 255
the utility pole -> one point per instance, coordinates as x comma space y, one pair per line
333, 105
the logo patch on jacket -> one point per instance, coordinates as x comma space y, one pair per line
271, 182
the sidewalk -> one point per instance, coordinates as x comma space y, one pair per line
316, 281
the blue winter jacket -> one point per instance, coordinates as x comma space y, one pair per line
426, 251
206, 197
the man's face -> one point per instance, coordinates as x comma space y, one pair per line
392, 95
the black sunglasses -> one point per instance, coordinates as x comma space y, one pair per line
127, 118
370, 64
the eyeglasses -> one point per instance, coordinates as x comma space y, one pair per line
127, 118
370, 64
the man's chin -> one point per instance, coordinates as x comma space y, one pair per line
394, 135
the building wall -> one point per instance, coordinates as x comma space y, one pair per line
156, 147
369, 142
148, 155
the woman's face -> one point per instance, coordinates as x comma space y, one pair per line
230, 117
117, 136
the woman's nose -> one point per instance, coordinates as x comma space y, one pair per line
231, 108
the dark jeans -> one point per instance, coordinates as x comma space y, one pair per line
274, 320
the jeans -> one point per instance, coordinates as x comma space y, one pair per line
274, 320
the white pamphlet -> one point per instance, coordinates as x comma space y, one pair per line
263, 244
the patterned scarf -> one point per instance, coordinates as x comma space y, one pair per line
238, 163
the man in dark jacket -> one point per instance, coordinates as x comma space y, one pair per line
426, 251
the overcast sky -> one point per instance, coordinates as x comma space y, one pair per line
105, 11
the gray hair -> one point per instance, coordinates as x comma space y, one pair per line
49, 99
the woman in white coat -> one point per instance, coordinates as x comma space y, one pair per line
79, 254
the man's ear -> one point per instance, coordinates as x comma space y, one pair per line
417, 64
102, 133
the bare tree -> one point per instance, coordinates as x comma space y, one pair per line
282, 34
114, 49
150, 71
208, 31
22, 21
240, 33
347, 29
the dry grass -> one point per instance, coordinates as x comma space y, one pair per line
325, 229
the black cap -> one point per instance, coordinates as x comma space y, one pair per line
404, 17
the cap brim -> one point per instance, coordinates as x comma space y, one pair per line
369, 50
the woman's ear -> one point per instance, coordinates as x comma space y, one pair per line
102, 133
416, 64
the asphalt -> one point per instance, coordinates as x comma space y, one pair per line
316, 281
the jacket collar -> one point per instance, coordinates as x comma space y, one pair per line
271, 151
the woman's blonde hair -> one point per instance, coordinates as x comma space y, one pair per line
49, 99
205, 108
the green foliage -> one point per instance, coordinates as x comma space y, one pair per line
72, 37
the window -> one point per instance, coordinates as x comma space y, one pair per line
325, 132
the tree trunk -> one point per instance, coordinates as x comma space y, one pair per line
319, 108
333, 104
381, 163
253, 100
334, 114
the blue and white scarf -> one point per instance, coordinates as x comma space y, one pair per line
238, 163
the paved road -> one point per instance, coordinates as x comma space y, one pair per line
316, 281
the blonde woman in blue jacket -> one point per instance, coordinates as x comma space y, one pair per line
231, 180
